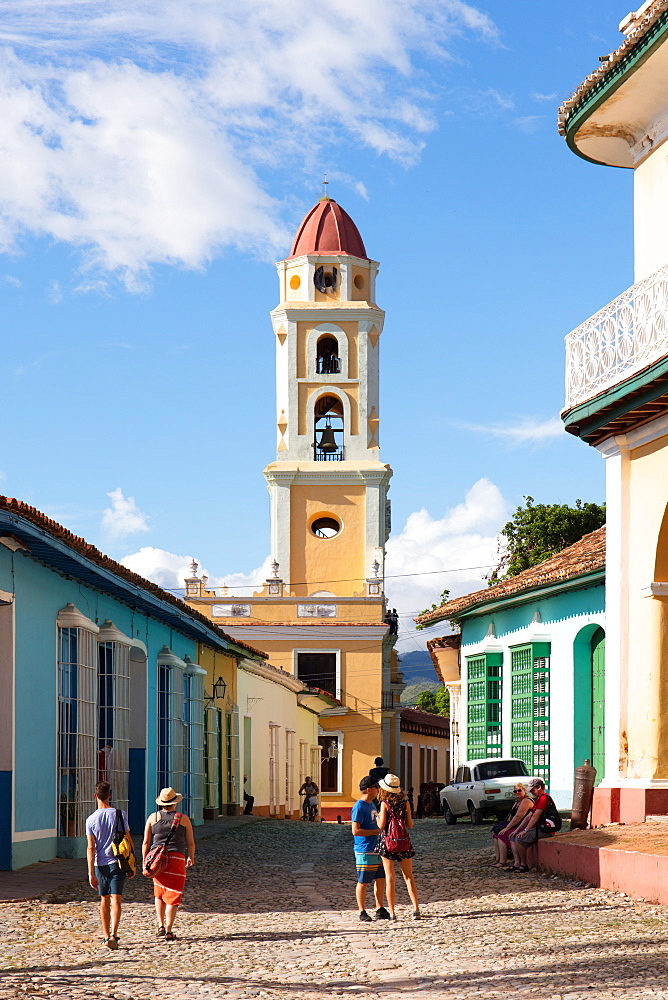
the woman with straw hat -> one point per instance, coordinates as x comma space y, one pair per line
394, 844
166, 826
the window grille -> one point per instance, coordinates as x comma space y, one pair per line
171, 721
232, 740
304, 767
484, 693
212, 748
530, 707
274, 762
77, 729
289, 772
113, 744
193, 750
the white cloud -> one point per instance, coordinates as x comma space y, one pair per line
528, 123
11, 280
464, 542
55, 293
170, 570
123, 517
545, 97
526, 431
135, 131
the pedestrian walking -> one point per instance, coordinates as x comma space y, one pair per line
394, 843
104, 869
369, 867
174, 830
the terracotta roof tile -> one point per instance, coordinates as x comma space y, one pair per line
651, 15
413, 717
584, 556
81, 546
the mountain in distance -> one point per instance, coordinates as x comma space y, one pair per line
417, 666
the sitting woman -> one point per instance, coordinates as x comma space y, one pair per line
502, 830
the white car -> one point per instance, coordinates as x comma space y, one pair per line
482, 787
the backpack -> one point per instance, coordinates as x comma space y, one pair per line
396, 834
550, 821
122, 848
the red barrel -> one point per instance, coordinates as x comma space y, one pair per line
583, 791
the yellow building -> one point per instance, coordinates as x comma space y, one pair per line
617, 401
321, 615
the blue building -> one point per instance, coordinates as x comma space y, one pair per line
99, 680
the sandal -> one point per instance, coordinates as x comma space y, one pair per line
522, 869
170, 936
111, 943
160, 931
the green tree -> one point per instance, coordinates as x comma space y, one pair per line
435, 702
537, 531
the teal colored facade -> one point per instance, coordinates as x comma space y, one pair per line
532, 679
143, 688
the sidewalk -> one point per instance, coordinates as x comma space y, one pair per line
629, 859
38, 880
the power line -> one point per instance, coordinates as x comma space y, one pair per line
350, 579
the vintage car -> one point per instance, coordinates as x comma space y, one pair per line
483, 787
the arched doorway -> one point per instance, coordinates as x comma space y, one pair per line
589, 698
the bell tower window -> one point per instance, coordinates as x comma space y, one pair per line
327, 356
328, 430
326, 278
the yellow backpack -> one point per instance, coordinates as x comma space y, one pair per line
123, 849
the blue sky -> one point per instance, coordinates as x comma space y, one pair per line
156, 159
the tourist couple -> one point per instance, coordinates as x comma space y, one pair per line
104, 870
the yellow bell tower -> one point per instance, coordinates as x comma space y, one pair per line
321, 615
329, 507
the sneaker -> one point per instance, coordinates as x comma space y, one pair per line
364, 917
382, 913
416, 915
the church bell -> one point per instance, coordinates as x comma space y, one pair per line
327, 440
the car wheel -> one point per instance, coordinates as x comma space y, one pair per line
450, 817
475, 814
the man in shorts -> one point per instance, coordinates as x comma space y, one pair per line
528, 832
104, 870
369, 865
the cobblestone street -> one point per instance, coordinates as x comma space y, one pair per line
269, 912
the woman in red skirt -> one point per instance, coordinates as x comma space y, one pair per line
168, 885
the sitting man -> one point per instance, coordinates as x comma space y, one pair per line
531, 828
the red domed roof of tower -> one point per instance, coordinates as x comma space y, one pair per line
327, 228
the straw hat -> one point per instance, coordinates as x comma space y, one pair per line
168, 797
390, 783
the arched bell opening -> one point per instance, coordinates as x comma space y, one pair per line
327, 361
328, 430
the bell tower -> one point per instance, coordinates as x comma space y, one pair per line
328, 487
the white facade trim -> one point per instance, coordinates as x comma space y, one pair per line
309, 651
23, 835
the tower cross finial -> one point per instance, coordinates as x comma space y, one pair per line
325, 182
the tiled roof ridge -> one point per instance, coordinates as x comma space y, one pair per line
84, 548
418, 715
584, 556
234, 622
651, 15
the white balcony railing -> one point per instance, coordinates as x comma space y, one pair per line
624, 337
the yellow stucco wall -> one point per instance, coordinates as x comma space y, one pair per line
645, 687
330, 563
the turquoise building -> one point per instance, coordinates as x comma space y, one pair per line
531, 677
99, 680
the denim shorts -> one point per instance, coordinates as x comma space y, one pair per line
110, 879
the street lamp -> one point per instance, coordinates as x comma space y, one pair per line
219, 689
333, 750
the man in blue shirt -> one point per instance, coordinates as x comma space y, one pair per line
104, 870
369, 865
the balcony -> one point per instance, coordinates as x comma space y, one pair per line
623, 338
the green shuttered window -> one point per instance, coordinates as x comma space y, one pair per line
484, 673
530, 707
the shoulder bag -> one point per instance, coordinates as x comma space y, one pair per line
157, 859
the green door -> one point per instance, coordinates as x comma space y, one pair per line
598, 703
